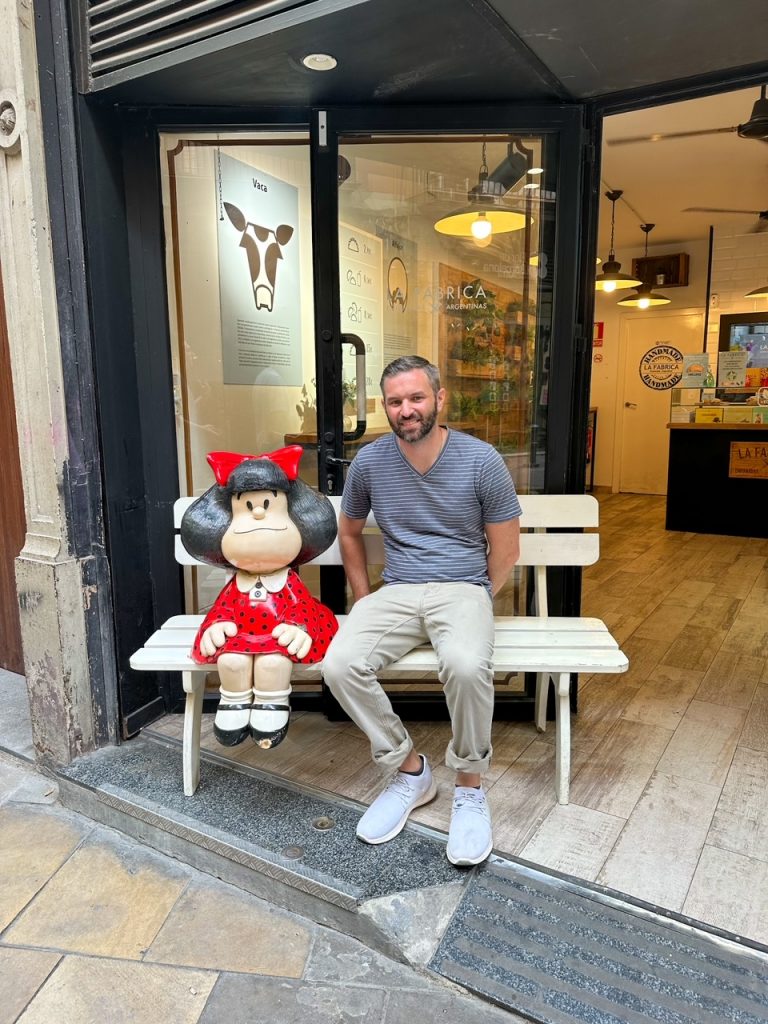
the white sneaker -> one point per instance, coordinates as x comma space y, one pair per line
470, 839
389, 812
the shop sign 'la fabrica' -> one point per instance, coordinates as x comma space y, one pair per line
661, 367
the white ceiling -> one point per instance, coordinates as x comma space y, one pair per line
661, 178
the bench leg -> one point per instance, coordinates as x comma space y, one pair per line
194, 687
563, 737
542, 693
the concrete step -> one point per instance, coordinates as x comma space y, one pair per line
286, 843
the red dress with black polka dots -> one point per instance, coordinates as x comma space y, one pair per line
256, 619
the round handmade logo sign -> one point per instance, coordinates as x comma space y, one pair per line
661, 367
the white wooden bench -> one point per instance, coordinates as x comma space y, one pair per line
552, 647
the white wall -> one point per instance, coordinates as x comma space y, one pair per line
739, 264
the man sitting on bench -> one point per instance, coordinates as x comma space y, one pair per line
449, 516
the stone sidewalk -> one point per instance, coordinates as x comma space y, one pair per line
95, 927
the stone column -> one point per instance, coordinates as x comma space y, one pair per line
54, 593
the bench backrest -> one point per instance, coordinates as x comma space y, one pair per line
569, 514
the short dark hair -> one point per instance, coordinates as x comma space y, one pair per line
206, 520
404, 364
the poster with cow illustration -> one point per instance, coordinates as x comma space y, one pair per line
259, 276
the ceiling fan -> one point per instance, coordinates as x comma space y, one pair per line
755, 128
760, 225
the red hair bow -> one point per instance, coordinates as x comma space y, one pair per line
222, 463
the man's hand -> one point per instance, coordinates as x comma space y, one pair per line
216, 636
294, 638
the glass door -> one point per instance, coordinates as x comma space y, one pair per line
447, 246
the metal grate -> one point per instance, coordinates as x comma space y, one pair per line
123, 33
561, 952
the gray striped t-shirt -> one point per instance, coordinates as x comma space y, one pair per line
432, 525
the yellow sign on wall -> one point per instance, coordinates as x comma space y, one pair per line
749, 460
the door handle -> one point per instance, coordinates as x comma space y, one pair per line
630, 405
359, 346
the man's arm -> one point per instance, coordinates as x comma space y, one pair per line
503, 551
353, 555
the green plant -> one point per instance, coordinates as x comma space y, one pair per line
349, 391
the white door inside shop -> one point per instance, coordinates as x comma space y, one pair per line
643, 415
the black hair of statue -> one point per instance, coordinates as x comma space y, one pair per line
206, 520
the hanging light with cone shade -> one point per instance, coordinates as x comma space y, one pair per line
484, 215
758, 293
644, 296
610, 277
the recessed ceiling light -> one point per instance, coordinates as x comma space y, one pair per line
532, 184
319, 62
535, 170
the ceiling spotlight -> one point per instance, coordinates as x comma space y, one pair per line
644, 297
611, 278
535, 170
319, 62
532, 184
484, 215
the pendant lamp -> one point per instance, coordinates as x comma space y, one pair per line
758, 293
484, 215
610, 277
645, 297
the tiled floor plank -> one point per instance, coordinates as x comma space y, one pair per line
657, 853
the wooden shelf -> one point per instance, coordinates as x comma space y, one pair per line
718, 426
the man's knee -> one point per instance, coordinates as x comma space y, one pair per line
336, 664
466, 668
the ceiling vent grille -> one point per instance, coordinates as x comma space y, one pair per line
124, 33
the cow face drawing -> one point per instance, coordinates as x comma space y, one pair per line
263, 247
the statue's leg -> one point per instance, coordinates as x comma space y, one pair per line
271, 711
231, 724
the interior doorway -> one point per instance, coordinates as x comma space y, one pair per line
642, 434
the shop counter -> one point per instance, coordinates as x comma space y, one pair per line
718, 478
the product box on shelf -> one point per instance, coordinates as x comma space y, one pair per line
710, 414
681, 414
737, 414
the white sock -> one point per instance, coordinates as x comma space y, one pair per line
235, 696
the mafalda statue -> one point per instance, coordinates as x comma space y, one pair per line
260, 521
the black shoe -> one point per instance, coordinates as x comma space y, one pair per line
231, 737
264, 737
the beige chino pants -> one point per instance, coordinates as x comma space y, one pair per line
457, 619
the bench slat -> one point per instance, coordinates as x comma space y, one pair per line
182, 639
535, 549
540, 511
527, 622
422, 659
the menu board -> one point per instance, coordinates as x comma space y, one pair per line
732, 369
360, 278
695, 370
259, 275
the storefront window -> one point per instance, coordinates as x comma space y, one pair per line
237, 215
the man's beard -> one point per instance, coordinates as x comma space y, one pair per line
408, 432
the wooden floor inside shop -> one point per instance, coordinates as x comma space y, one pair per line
670, 761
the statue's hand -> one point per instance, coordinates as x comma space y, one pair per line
294, 638
216, 636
